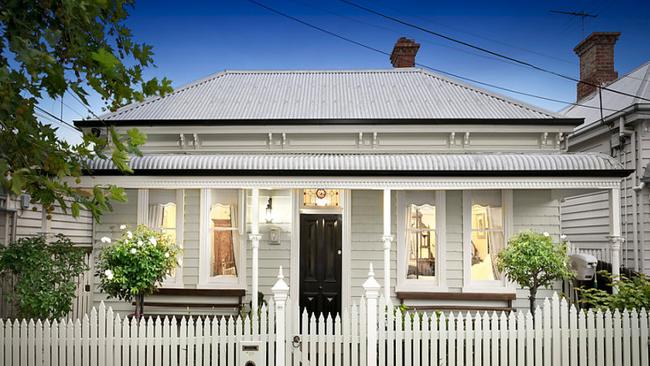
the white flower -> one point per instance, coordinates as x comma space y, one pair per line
153, 241
563, 236
109, 274
106, 240
140, 243
129, 235
133, 251
122, 227
546, 234
166, 254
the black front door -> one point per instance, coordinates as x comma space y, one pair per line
320, 264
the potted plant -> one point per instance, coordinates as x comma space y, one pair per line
135, 265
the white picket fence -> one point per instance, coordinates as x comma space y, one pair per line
372, 333
106, 339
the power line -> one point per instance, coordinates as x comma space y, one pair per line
396, 31
482, 49
513, 46
57, 119
349, 40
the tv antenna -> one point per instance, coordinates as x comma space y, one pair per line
578, 14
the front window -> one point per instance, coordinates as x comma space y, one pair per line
487, 234
165, 214
421, 241
224, 233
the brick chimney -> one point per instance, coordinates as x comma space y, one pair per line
404, 52
596, 54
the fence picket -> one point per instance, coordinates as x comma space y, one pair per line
451, 339
634, 332
582, 338
494, 341
530, 335
539, 338
512, 338
38, 342
546, 322
54, 343
573, 336
390, 335
426, 338
460, 339
600, 338
618, 334
626, 339
503, 340
442, 349
338, 341
354, 335
408, 338
520, 339
644, 337
478, 339
555, 330
564, 332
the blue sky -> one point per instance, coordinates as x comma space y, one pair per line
192, 39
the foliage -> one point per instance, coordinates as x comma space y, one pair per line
632, 293
533, 261
136, 263
45, 275
49, 48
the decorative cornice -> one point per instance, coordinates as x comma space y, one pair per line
437, 183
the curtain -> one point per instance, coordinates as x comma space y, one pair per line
225, 246
496, 242
155, 216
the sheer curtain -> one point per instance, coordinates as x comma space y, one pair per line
155, 216
496, 241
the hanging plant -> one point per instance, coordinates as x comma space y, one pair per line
136, 264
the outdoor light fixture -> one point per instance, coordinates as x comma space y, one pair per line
269, 211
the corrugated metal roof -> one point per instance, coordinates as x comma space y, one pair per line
409, 93
314, 162
636, 82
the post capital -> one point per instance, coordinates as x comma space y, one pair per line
280, 289
371, 286
616, 241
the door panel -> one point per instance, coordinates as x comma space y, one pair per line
320, 264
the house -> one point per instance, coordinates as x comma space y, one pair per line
325, 171
615, 125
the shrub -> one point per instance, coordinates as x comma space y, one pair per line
632, 293
532, 260
136, 264
45, 275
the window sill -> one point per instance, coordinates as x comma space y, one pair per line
459, 296
414, 288
489, 290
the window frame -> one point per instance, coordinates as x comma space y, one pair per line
143, 218
439, 284
205, 250
470, 285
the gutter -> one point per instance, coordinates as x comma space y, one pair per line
637, 107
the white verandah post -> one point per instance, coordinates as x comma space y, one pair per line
388, 239
255, 244
280, 293
371, 287
615, 237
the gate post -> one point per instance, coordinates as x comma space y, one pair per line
280, 292
371, 287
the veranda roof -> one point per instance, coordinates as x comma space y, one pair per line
372, 164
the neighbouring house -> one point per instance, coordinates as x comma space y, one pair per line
614, 125
19, 218
325, 171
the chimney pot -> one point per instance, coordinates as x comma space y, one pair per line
404, 52
596, 53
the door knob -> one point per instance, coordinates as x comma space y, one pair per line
338, 252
